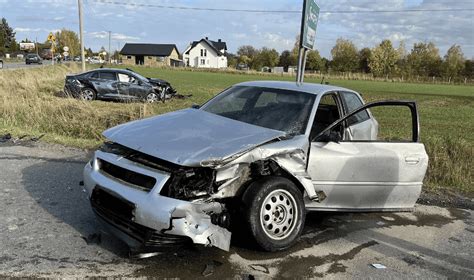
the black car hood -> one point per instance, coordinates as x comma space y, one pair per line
158, 81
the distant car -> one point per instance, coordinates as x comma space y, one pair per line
242, 66
77, 58
118, 84
258, 155
1, 64
33, 58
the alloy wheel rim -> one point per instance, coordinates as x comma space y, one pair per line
87, 95
152, 97
278, 214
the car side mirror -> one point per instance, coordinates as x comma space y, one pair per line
195, 106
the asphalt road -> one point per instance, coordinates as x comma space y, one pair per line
46, 220
17, 65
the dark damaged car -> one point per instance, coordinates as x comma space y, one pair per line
259, 153
117, 84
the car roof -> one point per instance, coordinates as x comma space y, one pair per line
114, 70
303, 87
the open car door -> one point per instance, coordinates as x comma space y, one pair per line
367, 175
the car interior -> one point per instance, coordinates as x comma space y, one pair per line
280, 111
326, 114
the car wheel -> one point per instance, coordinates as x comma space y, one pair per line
88, 94
152, 97
275, 212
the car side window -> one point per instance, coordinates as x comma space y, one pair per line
124, 78
108, 76
326, 114
352, 102
95, 75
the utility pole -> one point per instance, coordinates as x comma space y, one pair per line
110, 57
81, 35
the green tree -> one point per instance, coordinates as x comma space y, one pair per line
287, 59
68, 38
424, 59
267, 57
7, 36
231, 59
249, 54
344, 56
469, 69
364, 57
313, 61
383, 59
244, 59
402, 65
89, 53
454, 62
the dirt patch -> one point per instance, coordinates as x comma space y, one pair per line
447, 199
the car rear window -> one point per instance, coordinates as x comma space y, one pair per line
108, 76
352, 102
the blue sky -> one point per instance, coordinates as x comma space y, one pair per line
35, 19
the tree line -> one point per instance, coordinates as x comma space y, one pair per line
383, 60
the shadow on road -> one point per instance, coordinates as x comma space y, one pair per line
54, 185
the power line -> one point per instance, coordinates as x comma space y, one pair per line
112, 2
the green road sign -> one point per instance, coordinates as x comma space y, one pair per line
309, 23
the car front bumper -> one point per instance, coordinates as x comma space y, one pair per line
145, 218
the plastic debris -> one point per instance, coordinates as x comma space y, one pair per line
378, 266
260, 268
133, 255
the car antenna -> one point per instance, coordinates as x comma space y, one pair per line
129, 69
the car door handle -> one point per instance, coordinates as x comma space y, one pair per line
412, 159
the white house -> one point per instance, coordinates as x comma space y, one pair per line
206, 54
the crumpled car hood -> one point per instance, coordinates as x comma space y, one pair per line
158, 81
189, 137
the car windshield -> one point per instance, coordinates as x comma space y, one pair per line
278, 109
140, 77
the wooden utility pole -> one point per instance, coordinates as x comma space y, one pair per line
81, 36
110, 57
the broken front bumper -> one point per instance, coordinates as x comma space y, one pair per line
138, 214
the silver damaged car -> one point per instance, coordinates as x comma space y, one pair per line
260, 155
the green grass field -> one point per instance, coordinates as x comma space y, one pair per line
30, 107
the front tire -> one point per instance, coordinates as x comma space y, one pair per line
88, 94
275, 212
152, 97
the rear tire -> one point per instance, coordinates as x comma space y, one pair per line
275, 212
88, 94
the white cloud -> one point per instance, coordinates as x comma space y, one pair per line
26, 29
123, 37
114, 36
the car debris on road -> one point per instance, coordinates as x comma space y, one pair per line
260, 152
378, 266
